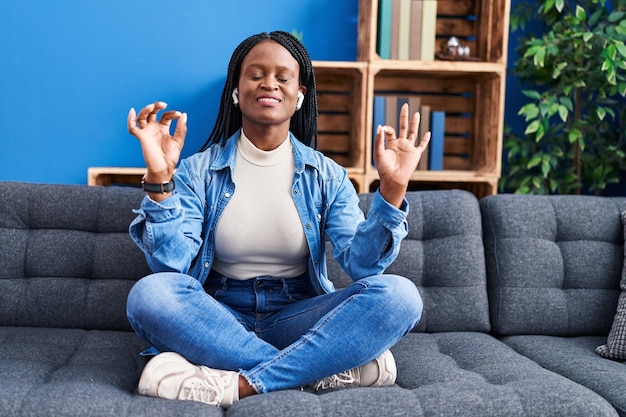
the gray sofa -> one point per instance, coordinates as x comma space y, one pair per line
518, 292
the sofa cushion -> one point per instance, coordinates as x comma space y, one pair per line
67, 259
575, 359
443, 255
615, 347
553, 263
474, 374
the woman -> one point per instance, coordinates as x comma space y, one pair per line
240, 302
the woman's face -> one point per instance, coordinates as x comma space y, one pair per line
269, 85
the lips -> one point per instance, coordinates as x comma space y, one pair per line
268, 99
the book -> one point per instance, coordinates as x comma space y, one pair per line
437, 129
395, 32
424, 127
414, 107
429, 30
378, 119
391, 110
415, 30
384, 28
404, 29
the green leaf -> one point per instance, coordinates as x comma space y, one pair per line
563, 112
532, 94
616, 16
611, 51
532, 128
540, 57
587, 36
621, 48
580, 13
545, 169
601, 112
559, 5
535, 160
574, 135
567, 102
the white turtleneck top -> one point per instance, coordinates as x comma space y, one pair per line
260, 232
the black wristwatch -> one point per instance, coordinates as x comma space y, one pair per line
162, 188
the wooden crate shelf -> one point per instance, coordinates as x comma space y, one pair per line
473, 136
483, 25
341, 99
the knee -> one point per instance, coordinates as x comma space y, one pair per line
401, 295
154, 292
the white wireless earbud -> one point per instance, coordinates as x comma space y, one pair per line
300, 100
236, 96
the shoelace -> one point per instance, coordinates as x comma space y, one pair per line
341, 379
209, 390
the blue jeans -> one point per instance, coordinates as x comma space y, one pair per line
273, 331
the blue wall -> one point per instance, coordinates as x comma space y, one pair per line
71, 69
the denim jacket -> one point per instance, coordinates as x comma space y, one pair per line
178, 234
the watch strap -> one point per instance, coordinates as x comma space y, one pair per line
162, 188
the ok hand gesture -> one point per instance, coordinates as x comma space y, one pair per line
161, 150
397, 157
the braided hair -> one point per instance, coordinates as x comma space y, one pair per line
303, 123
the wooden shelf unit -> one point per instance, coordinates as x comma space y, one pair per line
470, 92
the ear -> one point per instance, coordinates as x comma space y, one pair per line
300, 100
236, 96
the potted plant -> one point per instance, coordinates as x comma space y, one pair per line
575, 118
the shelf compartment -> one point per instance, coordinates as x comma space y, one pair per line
473, 136
480, 24
341, 98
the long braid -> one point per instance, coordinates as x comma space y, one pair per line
303, 123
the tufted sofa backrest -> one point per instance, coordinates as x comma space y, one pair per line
553, 263
443, 255
66, 259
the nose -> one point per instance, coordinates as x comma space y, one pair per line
269, 83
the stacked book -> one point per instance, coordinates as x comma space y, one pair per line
387, 112
407, 29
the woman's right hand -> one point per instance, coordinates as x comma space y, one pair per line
161, 150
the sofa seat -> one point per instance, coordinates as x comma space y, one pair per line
456, 374
575, 358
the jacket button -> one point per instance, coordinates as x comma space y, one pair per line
206, 264
227, 195
296, 191
308, 225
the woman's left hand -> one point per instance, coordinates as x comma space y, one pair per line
397, 157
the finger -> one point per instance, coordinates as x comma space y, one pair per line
413, 130
424, 142
390, 135
168, 116
181, 129
131, 121
156, 107
404, 120
379, 145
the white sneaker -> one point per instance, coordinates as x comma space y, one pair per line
381, 372
169, 375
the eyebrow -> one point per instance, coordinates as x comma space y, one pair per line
264, 66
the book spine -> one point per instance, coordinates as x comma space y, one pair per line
404, 29
437, 128
429, 29
384, 29
378, 119
415, 30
